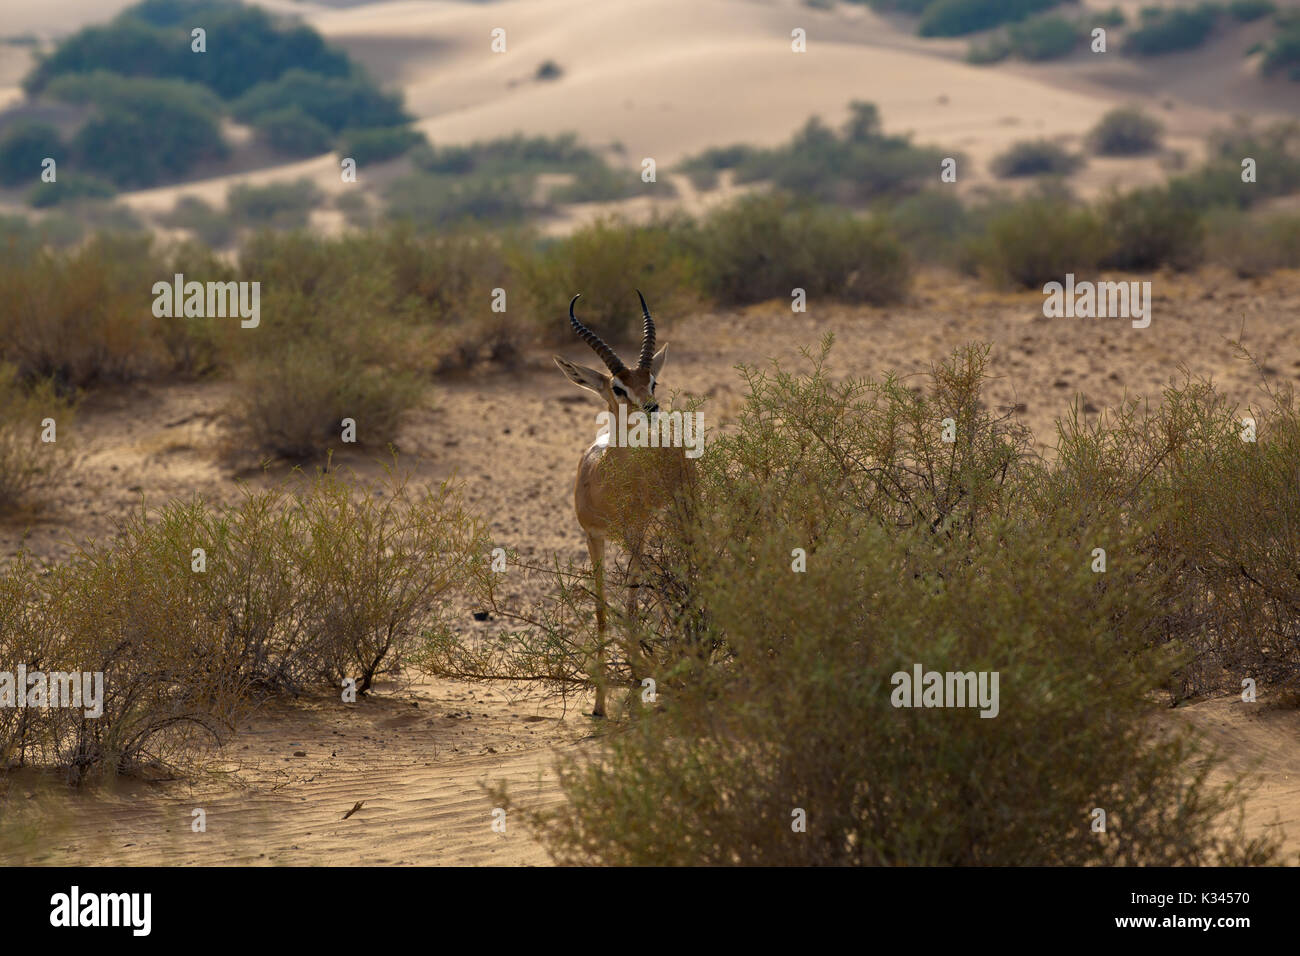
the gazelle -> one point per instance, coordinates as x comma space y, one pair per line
614, 494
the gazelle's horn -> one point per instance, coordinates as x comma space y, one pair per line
647, 334
607, 354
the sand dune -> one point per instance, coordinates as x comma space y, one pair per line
669, 78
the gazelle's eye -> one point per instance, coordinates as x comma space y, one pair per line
619, 393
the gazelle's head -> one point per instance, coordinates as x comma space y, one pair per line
634, 387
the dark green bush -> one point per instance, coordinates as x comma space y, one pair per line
950, 18
336, 102
69, 187
27, 462
293, 133
919, 552
24, 146
209, 225
1040, 157
1149, 228
144, 130
152, 39
766, 246
435, 202
286, 205
599, 261
1125, 132
1039, 240
1283, 49
1247, 10
853, 166
375, 145
1173, 29
1045, 38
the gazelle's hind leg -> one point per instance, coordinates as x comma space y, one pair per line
596, 549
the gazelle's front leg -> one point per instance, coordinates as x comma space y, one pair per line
635, 544
596, 549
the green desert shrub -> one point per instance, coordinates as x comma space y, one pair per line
950, 18
1040, 239
192, 612
336, 102
1208, 490
431, 202
1125, 132
24, 146
1275, 149
1253, 244
83, 317
152, 39
26, 461
921, 555
70, 187
704, 167
293, 401
606, 262
1148, 228
854, 165
1282, 52
1044, 38
598, 182
1246, 11
1173, 29
143, 130
1040, 157
285, 205
992, 49
764, 247
375, 145
931, 225
213, 227
291, 132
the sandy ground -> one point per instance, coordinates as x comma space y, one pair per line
419, 756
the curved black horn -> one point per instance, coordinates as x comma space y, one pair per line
607, 354
647, 334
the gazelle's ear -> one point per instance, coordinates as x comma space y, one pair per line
581, 375
658, 361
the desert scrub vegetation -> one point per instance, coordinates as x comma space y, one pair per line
1038, 239
193, 612
1282, 52
209, 225
775, 689
596, 259
26, 460
157, 108
497, 181
1170, 29
1125, 132
82, 317
1253, 244
1039, 157
854, 165
763, 247
286, 205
